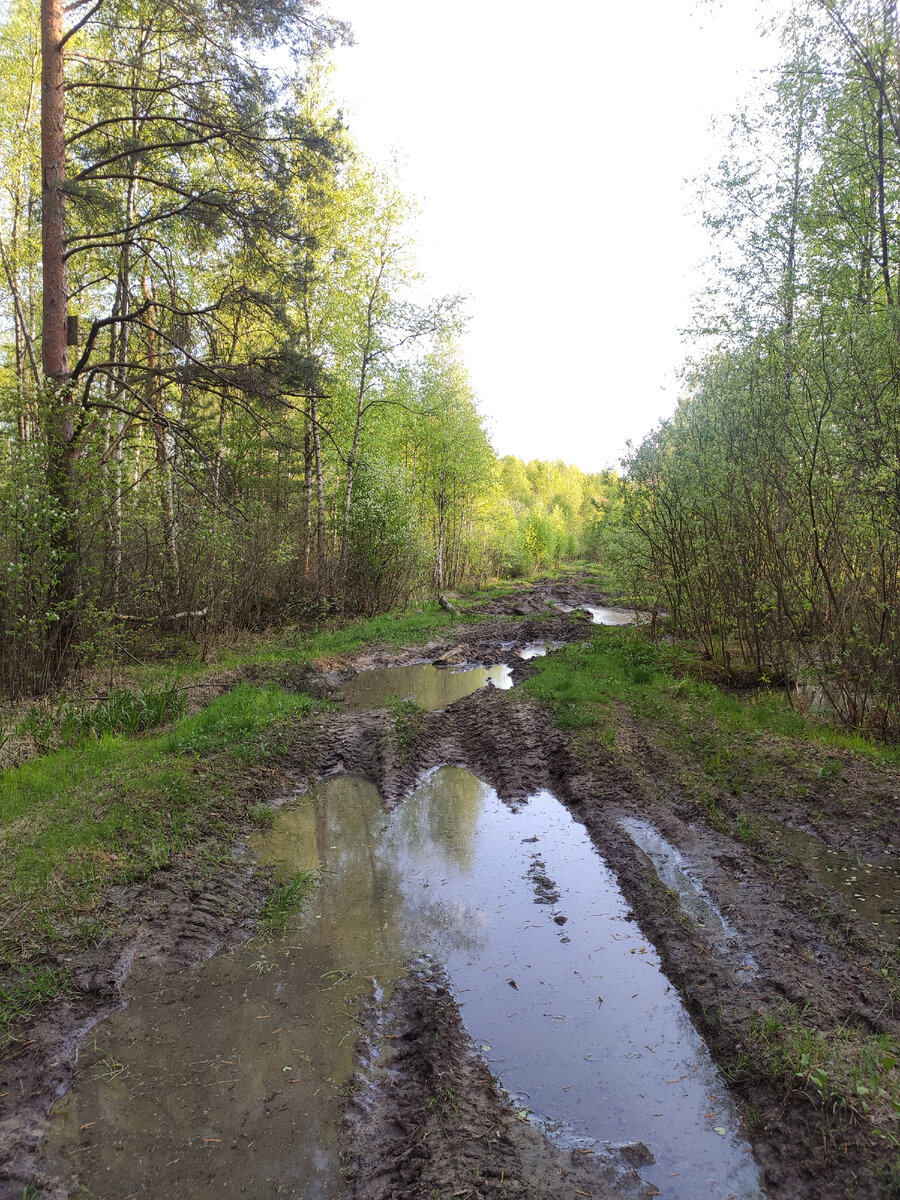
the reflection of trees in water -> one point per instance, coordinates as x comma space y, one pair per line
431, 687
443, 815
341, 833
170, 1035
359, 894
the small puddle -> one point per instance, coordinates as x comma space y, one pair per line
431, 687
871, 892
606, 616
676, 874
538, 649
233, 1071
615, 616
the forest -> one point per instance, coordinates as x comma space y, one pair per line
228, 402
765, 514
224, 402
381, 815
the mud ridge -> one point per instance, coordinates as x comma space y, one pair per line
431, 1121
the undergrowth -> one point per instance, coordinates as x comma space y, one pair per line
846, 1071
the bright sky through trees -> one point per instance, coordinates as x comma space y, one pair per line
548, 147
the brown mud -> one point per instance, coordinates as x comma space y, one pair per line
799, 944
401, 1144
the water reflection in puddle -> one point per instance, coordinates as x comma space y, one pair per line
556, 983
601, 615
676, 874
872, 892
431, 687
538, 649
550, 973
615, 616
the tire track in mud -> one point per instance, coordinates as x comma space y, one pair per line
513, 745
435, 1123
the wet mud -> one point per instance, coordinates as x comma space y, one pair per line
739, 930
433, 1122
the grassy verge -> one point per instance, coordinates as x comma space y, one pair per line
583, 683
111, 811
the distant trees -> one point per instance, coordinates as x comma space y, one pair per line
768, 509
554, 512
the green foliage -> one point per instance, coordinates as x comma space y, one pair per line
272, 429
765, 515
52, 726
555, 513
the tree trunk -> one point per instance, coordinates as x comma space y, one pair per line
60, 427
165, 467
307, 502
320, 497
439, 558
54, 349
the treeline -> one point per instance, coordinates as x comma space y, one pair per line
219, 405
766, 514
550, 513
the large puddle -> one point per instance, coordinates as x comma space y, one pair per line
431, 687
233, 1070
872, 892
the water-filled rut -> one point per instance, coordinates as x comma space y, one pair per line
235, 1071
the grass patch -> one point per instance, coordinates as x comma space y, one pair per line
115, 809
52, 726
25, 992
305, 646
407, 716
846, 1071
583, 684
284, 900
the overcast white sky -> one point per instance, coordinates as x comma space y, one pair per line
548, 147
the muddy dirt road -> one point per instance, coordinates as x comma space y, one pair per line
532, 967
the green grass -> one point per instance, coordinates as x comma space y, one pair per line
298, 645
26, 991
115, 809
407, 716
51, 726
844, 1070
583, 684
284, 900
